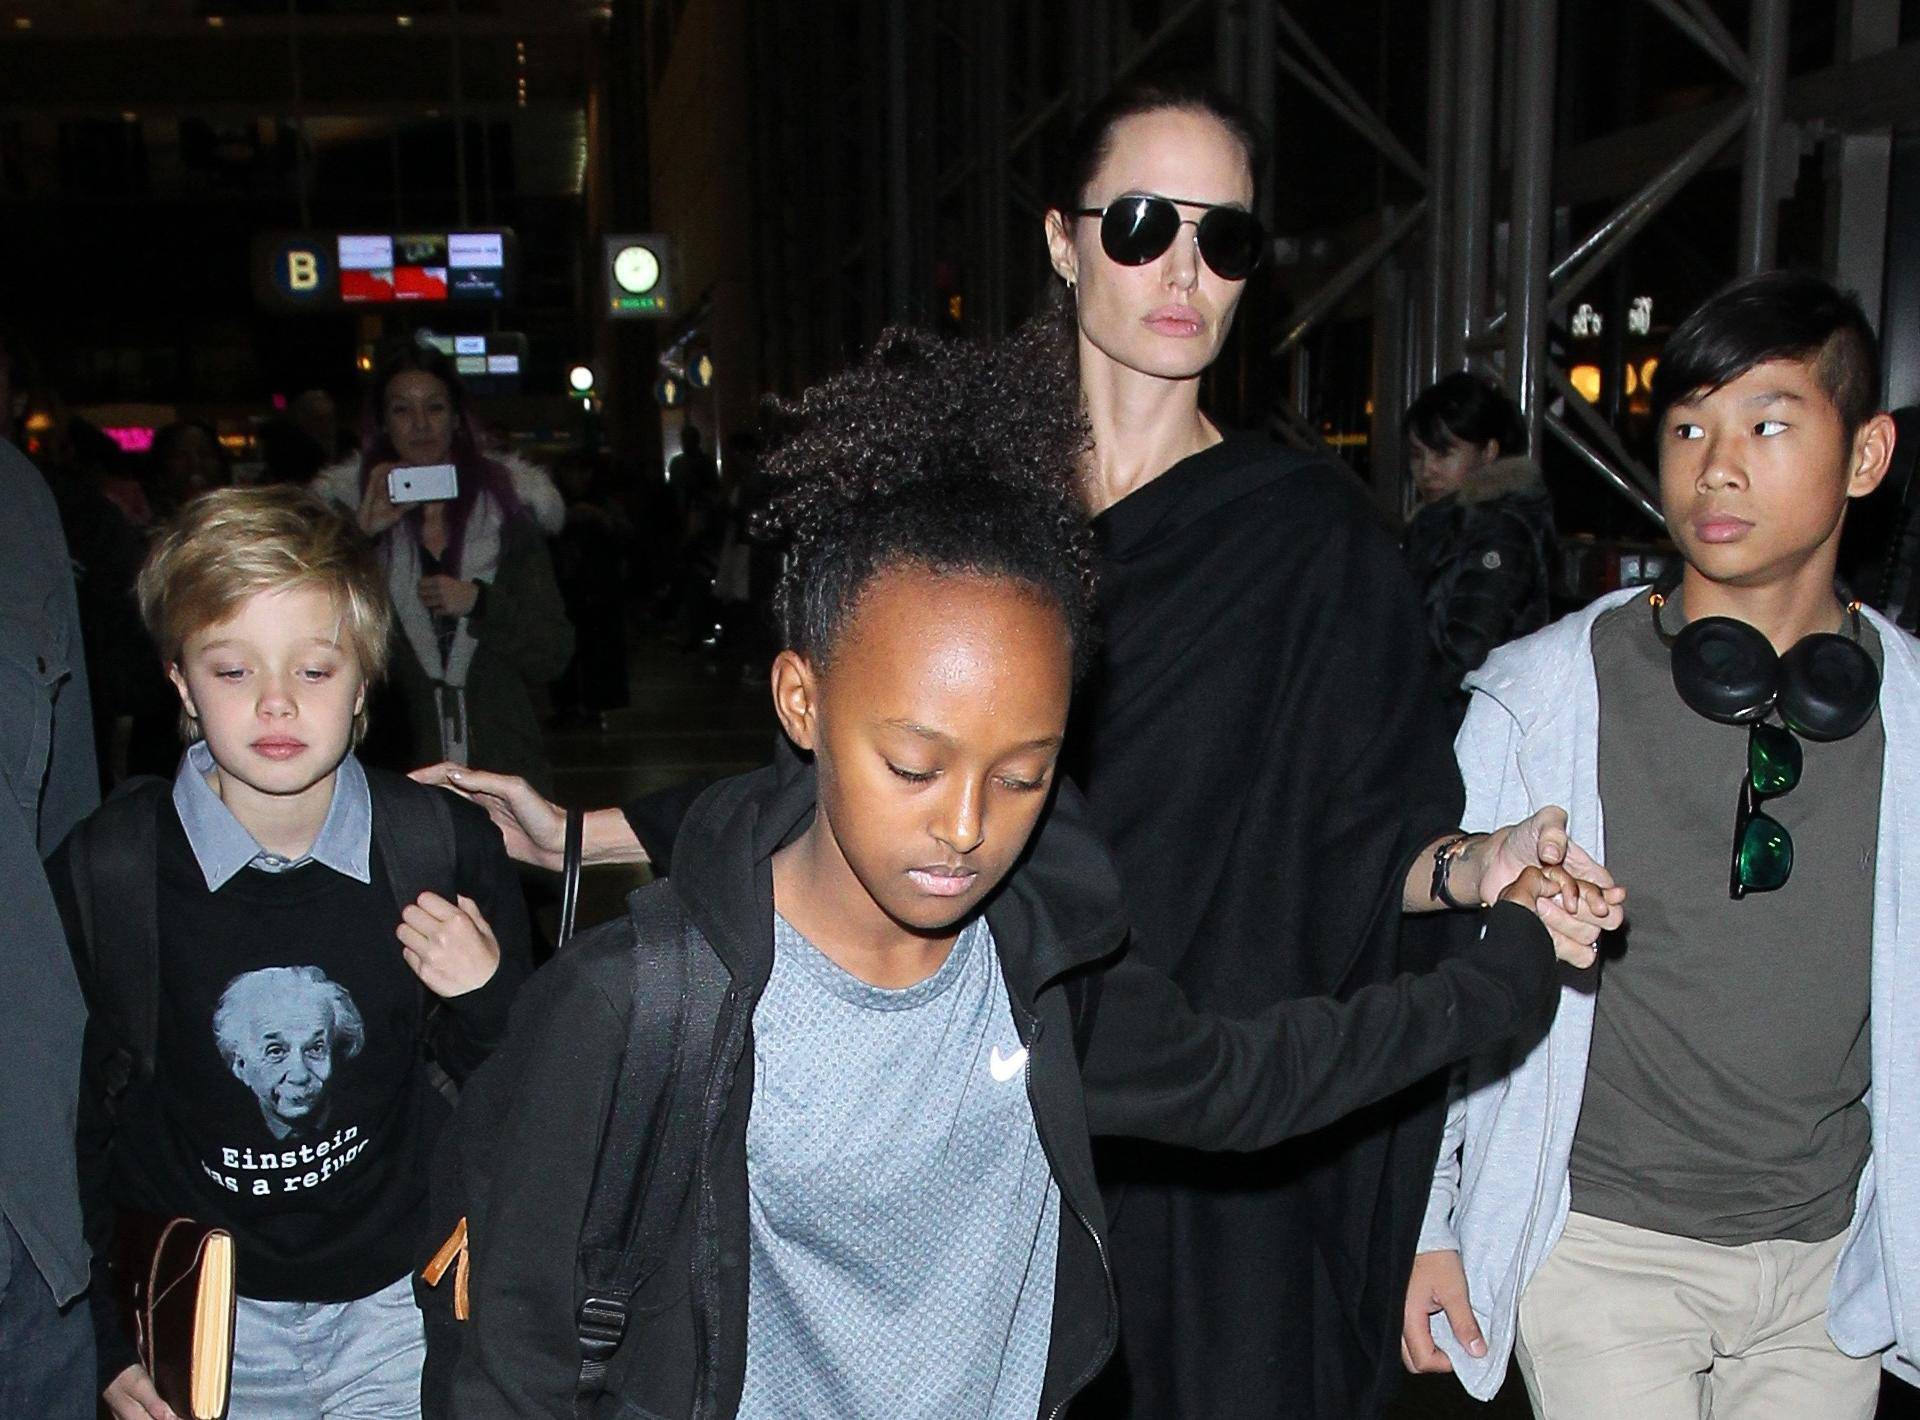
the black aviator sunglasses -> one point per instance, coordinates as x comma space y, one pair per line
1139, 227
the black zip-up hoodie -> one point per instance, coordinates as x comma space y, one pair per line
1113, 1048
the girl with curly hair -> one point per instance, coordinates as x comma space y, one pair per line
892, 1208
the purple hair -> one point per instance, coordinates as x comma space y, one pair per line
478, 473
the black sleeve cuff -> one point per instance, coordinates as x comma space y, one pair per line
481, 591
482, 1012
1517, 948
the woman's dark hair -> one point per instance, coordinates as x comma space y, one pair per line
477, 473
1092, 137
941, 455
1775, 315
1465, 408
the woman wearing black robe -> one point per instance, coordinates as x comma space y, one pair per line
1264, 757
1261, 754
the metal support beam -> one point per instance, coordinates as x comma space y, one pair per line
1262, 93
1230, 49
1530, 224
1762, 172
1608, 473
1859, 168
1573, 271
1440, 194
1473, 182
1591, 256
1386, 458
1361, 120
1163, 32
1324, 78
1329, 296
1703, 27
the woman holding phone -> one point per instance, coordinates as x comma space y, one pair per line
477, 608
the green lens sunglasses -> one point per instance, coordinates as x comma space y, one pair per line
1762, 848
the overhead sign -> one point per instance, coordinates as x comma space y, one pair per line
487, 364
319, 271
639, 276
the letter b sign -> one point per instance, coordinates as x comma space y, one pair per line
300, 271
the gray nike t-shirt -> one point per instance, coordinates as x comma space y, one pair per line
904, 1220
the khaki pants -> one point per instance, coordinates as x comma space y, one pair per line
1621, 1323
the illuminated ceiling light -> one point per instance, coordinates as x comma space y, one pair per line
433, 113
1586, 379
1647, 367
404, 21
22, 22
580, 378
215, 22
129, 116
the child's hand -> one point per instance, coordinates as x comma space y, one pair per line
1573, 910
131, 1396
449, 946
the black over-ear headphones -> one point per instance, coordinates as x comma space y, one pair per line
1825, 687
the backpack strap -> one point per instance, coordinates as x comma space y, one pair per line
413, 833
113, 922
656, 1124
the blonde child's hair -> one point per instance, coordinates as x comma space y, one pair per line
233, 543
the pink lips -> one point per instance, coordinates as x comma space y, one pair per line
1721, 527
279, 748
943, 881
1179, 322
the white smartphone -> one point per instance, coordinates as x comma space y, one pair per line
423, 483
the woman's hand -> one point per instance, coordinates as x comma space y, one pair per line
131, 1396
1493, 862
448, 944
378, 512
534, 828
448, 596
1570, 909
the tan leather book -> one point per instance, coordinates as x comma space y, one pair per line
181, 1304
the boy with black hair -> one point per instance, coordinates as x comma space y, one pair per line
1686, 1200
253, 1050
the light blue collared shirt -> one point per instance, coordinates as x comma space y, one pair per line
222, 846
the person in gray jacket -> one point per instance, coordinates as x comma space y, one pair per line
48, 782
1695, 1194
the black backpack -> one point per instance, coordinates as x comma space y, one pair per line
112, 910
649, 1152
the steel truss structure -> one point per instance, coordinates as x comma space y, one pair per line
902, 177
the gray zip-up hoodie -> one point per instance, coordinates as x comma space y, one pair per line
1500, 1191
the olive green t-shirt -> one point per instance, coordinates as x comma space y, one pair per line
1724, 1089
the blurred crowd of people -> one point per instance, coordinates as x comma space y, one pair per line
602, 544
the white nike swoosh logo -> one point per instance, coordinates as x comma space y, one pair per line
1005, 1067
